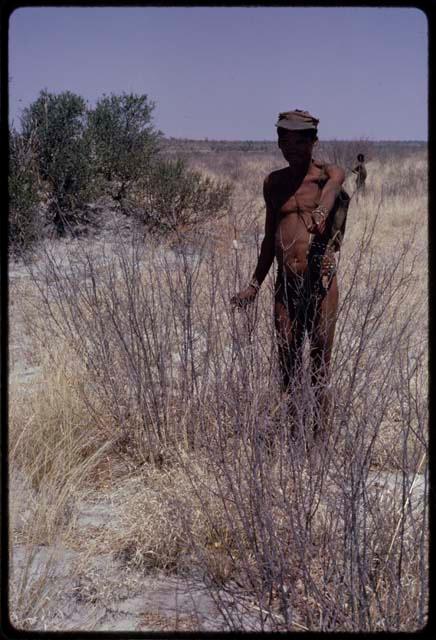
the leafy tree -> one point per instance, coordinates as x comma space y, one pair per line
175, 196
58, 125
23, 194
124, 141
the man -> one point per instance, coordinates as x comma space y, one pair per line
298, 201
360, 171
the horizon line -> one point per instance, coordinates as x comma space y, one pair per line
265, 140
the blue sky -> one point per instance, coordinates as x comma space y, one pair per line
225, 73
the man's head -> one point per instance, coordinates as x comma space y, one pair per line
360, 157
297, 134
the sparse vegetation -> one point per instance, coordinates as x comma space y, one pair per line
156, 389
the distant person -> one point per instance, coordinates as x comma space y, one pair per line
360, 171
298, 201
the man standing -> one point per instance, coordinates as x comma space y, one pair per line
298, 201
360, 171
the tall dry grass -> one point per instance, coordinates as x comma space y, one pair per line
148, 364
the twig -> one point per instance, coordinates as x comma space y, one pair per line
295, 624
397, 528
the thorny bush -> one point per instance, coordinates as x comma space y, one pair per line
326, 536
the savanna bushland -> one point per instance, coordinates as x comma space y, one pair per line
139, 400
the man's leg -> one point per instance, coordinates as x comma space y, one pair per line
289, 343
290, 337
321, 336
357, 189
289, 328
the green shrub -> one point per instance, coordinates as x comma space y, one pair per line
23, 194
124, 142
176, 197
114, 148
58, 125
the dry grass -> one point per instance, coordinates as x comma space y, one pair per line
153, 388
53, 446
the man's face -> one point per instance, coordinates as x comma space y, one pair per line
295, 146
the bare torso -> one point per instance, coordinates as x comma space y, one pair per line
293, 204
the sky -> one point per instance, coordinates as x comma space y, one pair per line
225, 73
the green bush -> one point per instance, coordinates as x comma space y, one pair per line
124, 142
24, 226
58, 125
176, 197
80, 153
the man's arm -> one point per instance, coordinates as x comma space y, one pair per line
331, 190
266, 255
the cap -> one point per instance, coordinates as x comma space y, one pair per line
297, 120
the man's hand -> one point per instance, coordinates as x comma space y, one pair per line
319, 216
244, 298
331, 189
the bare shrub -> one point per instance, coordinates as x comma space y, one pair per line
132, 325
313, 545
287, 534
171, 368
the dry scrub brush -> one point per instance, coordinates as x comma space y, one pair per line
52, 449
309, 540
286, 536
